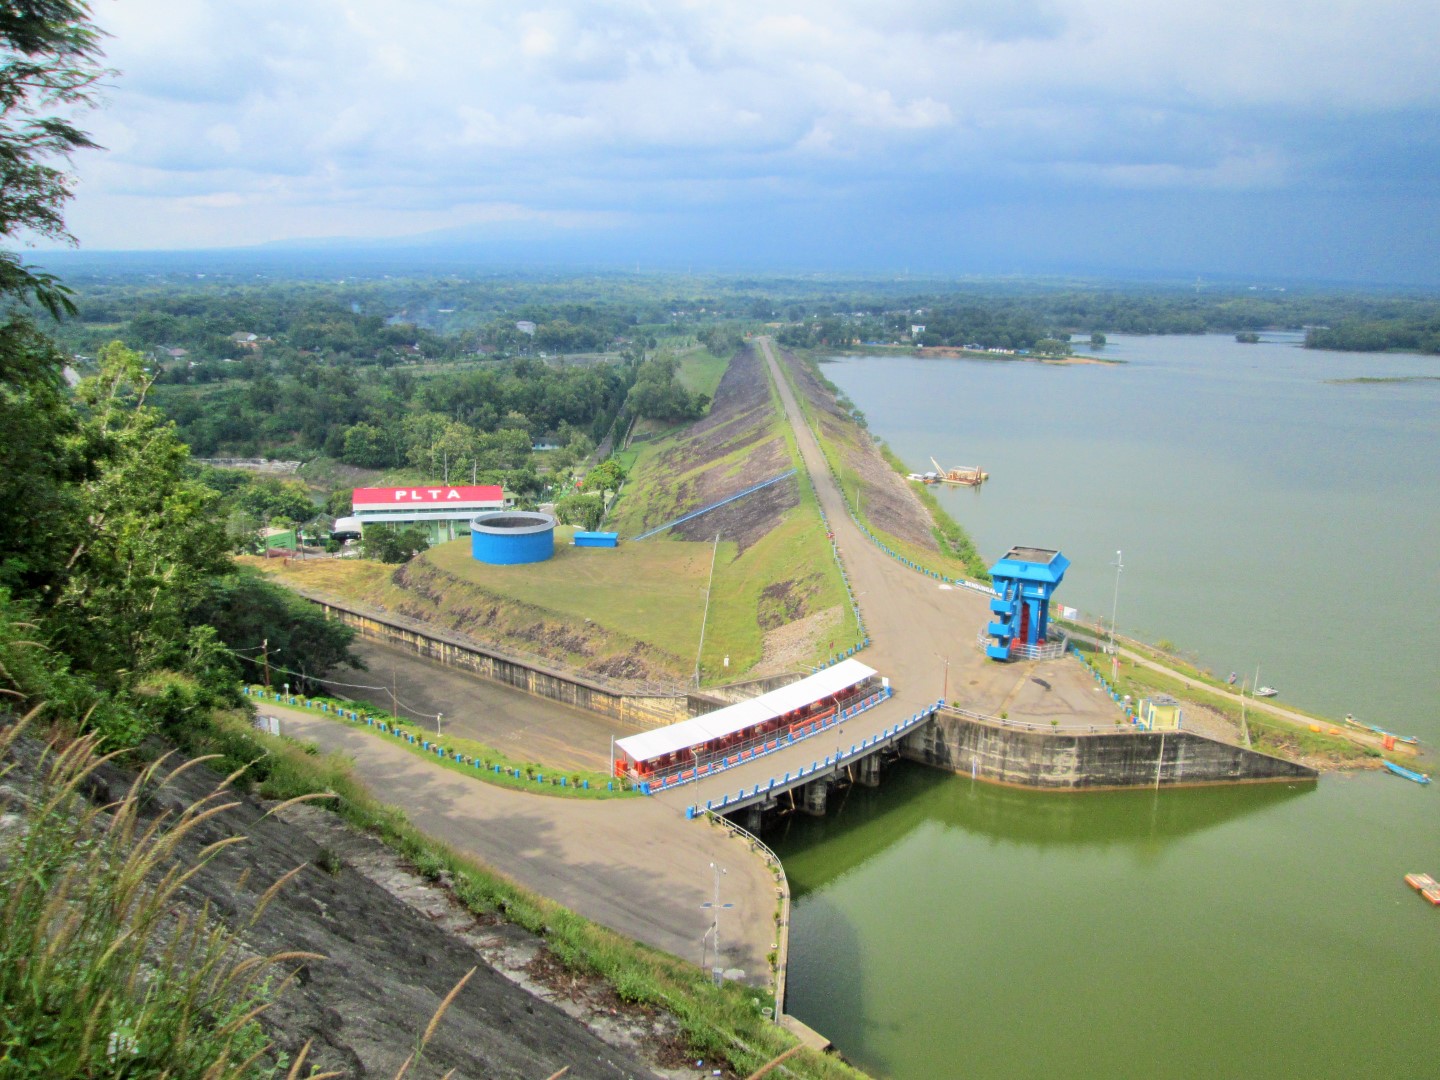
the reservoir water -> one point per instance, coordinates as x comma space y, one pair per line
1270, 512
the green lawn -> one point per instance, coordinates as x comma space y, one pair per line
700, 371
652, 592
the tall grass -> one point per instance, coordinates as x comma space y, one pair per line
102, 973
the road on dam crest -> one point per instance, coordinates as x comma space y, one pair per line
640, 866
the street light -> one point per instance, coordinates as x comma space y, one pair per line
716, 908
1114, 609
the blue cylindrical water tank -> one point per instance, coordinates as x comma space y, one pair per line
512, 537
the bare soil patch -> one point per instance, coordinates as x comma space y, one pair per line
790, 647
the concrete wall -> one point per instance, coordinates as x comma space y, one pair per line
1120, 759
656, 711
731, 693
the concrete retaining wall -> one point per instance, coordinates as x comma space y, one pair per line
654, 711
1081, 761
731, 693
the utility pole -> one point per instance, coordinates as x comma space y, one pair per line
715, 908
1114, 610
706, 615
1244, 727
265, 654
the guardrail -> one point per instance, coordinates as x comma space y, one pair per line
1026, 725
387, 724
1050, 650
782, 924
959, 583
864, 641
831, 762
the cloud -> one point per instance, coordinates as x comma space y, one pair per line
332, 115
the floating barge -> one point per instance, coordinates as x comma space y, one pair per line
1426, 886
964, 475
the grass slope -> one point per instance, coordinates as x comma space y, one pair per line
636, 611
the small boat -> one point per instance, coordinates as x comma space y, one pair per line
1426, 886
1410, 739
1266, 691
1408, 774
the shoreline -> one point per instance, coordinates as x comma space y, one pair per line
1319, 741
956, 352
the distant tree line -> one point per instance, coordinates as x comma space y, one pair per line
1420, 334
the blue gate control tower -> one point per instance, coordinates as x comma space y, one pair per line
1024, 580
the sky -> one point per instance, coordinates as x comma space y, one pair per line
1276, 139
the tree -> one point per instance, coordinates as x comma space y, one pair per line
39, 463
607, 476
369, 446
1097, 340
582, 510
151, 534
49, 53
393, 544
248, 612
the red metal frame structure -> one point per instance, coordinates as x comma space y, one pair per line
717, 740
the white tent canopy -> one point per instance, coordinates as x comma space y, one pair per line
707, 727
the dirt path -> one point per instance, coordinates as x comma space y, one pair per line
634, 865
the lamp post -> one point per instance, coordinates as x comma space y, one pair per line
1114, 609
715, 907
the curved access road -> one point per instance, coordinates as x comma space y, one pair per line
634, 865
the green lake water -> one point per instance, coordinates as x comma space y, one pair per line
1267, 515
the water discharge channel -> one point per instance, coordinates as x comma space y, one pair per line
1268, 515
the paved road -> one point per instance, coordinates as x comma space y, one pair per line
519, 725
639, 866
922, 636
634, 865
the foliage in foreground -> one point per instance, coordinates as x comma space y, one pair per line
100, 974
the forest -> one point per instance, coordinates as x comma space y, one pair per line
216, 326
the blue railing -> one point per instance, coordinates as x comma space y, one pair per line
833, 761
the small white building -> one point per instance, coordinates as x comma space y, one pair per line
443, 510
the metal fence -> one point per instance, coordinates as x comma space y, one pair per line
1049, 650
782, 887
